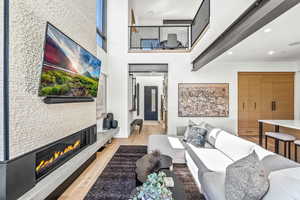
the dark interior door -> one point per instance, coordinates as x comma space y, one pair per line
151, 103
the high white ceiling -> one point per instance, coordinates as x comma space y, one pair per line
154, 10
278, 41
285, 30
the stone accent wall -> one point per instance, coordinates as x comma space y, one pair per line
1, 80
32, 123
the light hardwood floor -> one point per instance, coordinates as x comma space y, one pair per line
85, 181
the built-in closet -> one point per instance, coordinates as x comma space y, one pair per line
264, 95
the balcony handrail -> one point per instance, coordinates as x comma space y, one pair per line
182, 45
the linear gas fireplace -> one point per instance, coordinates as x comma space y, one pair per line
54, 155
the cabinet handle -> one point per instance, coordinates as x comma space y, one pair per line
243, 106
254, 105
273, 105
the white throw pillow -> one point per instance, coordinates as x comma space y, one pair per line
261, 152
233, 146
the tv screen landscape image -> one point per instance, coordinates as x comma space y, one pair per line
68, 69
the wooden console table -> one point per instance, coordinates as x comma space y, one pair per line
293, 124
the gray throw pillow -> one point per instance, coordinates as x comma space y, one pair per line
196, 136
190, 125
246, 179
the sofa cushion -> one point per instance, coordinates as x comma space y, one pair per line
211, 159
191, 155
233, 146
246, 179
213, 185
284, 184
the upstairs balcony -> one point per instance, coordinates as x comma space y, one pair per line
159, 38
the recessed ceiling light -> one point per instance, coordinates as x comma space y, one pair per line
271, 52
230, 52
267, 30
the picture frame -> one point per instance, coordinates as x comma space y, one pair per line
203, 99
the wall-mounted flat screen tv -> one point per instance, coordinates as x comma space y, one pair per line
68, 69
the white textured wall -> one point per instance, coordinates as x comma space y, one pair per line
1, 80
33, 123
149, 81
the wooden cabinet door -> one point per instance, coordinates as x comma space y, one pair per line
267, 96
249, 103
283, 96
242, 104
254, 103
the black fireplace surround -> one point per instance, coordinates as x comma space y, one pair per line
22, 173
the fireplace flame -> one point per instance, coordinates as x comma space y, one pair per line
56, 155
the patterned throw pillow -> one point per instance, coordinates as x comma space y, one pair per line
190, 125
246, 179
196, 136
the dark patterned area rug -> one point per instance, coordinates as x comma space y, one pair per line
118, 178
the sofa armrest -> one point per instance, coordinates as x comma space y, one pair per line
180, 130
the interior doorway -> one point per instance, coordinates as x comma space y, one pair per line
148, 96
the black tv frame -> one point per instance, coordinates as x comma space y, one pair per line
56, 99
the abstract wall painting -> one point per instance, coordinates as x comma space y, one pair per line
203, 100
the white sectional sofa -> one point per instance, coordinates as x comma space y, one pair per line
208, 165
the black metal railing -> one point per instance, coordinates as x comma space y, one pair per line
159, 37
